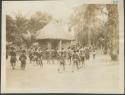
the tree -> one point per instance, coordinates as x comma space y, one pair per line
112, 28
86, 23
21, 28
38, 21
21, 31
10, 28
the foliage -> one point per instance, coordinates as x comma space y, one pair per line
112, 28
21, 31
38, 21
10, 28
91, 30
86, 23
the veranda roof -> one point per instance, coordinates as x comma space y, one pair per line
53, 30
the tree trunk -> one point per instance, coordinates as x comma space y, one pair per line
113, 29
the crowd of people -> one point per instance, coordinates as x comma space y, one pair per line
74, 56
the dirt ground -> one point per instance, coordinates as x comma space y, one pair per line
99, 75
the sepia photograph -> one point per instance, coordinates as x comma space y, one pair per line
62, 46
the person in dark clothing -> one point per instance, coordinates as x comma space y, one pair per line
13, 58
69, 55
75, 60
34, 57
82, 57
62, 60
54, 56
94, 54
48, 56
87, 54
36, 54
22, 59
31, 57
40, 59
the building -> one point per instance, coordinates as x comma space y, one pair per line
54, 36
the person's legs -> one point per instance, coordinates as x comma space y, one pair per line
41, 63
12, 65
60, 65
69, 60
56, 60
37, 61
63, 64
83, 63
21, 65
63, 67
48, 60
94, 56
24, 65
77, 64
73, 66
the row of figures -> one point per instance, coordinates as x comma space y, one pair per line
75, 57
13, 58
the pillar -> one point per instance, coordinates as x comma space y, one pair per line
60, 45
49, 44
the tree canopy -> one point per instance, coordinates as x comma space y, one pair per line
21, 30
92, 30
86, 23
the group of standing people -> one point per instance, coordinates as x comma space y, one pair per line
75, 57
13, 58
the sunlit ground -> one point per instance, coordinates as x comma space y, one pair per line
100, 74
